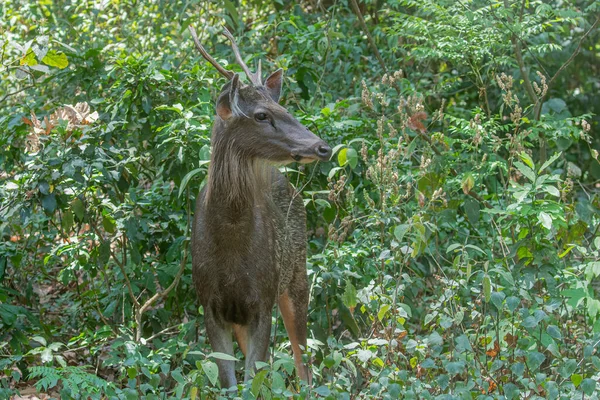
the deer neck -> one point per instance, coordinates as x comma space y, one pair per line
236, 182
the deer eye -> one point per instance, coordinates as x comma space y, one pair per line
261, 116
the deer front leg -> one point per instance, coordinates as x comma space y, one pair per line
219, 335
258, 335
294, 309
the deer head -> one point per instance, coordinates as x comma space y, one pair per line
252, 117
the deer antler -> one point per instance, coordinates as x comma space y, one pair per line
254, 78
227, 74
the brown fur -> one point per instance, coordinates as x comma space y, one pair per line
248, 239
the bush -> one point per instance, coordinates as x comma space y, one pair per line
453, 241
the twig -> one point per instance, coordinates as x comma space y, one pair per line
369, 37
6, 96
516, 42
566, 64
452, 171
149, 339
159, 295
120, 265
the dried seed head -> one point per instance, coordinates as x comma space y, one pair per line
364, 153
424, 163
366, 95
393, 131
380, 127
586, 126
541, 92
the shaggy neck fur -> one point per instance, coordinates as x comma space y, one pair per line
236, 180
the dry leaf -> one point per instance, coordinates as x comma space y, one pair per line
510, 340
415, 121
494, 352
492, 384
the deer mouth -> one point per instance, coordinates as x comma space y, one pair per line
320, 152
306, 159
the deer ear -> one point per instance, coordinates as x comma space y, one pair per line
274, 83
227, 104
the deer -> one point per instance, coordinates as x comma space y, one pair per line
249, 229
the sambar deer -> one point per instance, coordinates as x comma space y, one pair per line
248, 238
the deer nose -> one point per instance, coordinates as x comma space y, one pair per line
324, 152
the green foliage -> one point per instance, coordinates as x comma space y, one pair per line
453, 237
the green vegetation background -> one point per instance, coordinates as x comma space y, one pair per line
453, 238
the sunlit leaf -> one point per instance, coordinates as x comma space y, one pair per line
55, 59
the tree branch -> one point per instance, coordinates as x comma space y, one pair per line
452, 171
369, 37
160, 295
566, 64
121, 267
6, 96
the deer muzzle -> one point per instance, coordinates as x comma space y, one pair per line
319, 151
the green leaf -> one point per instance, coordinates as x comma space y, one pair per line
576, 379
67, 220
204, 153
222, 356
463, 344
103, 252
468, 182
549, 161
526, 159
530, 322
131, 372
186, 179
452, 247
512, 303
78, 208
455, 367
545, 220
588, 386
525, 171
471, 246
554, 331
348, 156
400, 231
109, 223
487, 288
232, 9
337, 148
383, 311
322, 391
352, 156
349, 298
49, 202
555, 104
535, 360
473, 210
258, 381
497, 299
277, 381
211, 370
29, 59
40, 340
568, 367
46, 355
55, 59
552, 190
593, 307
511, 390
